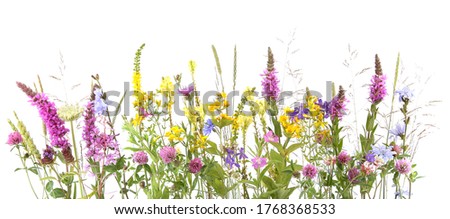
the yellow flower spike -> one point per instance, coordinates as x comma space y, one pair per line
262, 107
166, 85
158, 103
192, 66
244, 121
248, 93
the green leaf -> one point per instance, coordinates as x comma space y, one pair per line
49, 186
58, 193
220, 187
285, 193
269, 183
276, 126
133, 149
293, 147
279, 147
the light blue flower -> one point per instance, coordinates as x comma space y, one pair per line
399, 129
209, 126
99, 105
404, 94
383, 152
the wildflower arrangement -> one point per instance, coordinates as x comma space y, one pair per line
257, 149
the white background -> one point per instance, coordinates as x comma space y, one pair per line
101, 37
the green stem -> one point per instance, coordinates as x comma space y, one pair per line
77, 161
26, 171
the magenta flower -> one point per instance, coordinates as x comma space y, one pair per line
343, 157
309, 171
337, 105
186, 91
378, 87
270, 82
55, 125
195, 165
14, 138
167, 154
49, 115
90, 131
403, 166
258, 162
271, 137
100, 146
140, 157
352, 174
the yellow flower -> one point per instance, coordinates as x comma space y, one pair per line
166, 84
244, 121
201, 141
175, 134
248, 93
319, 122
194, 113
314, 108
214, 106
262, 107
292, 128
192, 66
137, 120
223, 120
138, 94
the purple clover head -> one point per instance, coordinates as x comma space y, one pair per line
195, 165
14, 138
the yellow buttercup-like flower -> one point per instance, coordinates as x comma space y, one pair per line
175, 134
137, 120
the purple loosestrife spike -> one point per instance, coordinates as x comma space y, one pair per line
378, 87
55, 125
90, 131
27, 90
270, 60
337, 108
270, 83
